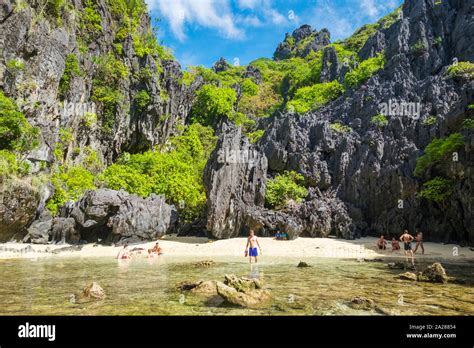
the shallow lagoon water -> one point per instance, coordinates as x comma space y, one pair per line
143, 287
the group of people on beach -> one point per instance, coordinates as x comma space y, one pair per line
406, 238
126, 254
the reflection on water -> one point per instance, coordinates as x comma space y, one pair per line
148, 287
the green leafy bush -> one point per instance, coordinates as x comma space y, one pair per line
419, 47
71, 69
110, 71
8, 164
462, 70
340, 128
438, 150
283, 188
241, 120
314, 97
379, 120
249, 87
437, 189
69, 184
255, 136
212, 103
177, 173
364, 71
15, 65
16, 134
90, 119
90, 22
468, 123
142, 99
429, 121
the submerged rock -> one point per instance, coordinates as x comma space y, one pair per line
396, 265
362, 303
408, 276
205, 287
248, 299
205, 263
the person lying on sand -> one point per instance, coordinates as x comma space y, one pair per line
382, 243
124, 254
253, 242
419, 242
156, 250
395, 245
406, 238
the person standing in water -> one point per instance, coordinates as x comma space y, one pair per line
252, 241
419, 242
406, 238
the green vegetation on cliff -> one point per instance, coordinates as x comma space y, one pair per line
175, 172
284, 188
437, 150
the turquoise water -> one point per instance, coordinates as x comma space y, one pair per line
141, 287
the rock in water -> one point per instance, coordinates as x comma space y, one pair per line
362, 303
206, 287
408, 276
435, 273
205, 263
92, 292
242, 284
303, 264
249, 299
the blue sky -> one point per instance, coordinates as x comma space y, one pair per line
201, 31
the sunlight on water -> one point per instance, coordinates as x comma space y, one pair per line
142, 287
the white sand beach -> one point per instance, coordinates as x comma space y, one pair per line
364, 248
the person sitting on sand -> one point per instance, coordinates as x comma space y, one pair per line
124, 254
382, 243
253, 242
156, 250
395, 245
406, 238
280, 236
419, 242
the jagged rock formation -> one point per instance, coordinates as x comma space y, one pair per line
302, 42
28, 36
370, 167
235, 178
115, 215
18, 203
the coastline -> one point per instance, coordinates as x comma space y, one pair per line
363, 248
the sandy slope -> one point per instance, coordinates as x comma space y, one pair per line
301, 247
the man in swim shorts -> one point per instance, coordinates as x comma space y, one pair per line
419, 242
395, 245
252, 241
406, 238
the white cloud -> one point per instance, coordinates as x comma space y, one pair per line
214, 14
370, 8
